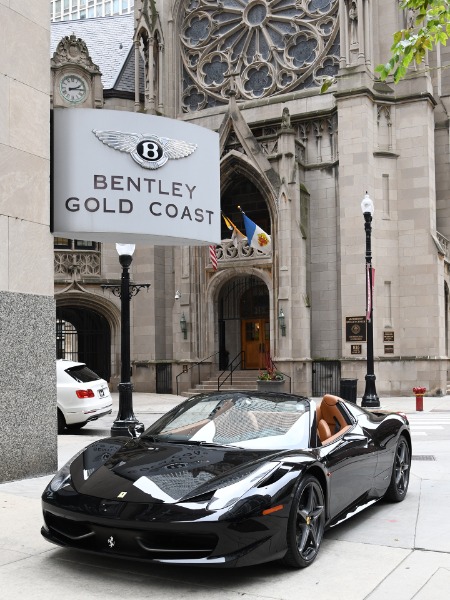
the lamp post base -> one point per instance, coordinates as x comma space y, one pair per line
370, 398
128, 428
126, 423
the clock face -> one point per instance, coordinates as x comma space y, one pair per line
73, 88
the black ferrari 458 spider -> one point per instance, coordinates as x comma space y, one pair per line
230, 479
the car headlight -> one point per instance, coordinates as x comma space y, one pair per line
63, 476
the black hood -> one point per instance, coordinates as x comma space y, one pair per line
144, 471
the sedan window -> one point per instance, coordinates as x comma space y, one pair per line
82, 374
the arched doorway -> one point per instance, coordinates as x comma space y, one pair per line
244, 322
84, 335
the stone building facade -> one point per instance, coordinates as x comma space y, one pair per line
27, 308
298, 163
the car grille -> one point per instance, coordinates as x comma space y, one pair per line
156, 544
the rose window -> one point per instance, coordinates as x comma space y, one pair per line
257, 48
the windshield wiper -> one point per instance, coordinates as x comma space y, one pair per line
194, 443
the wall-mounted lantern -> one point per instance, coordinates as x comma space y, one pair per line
282, 322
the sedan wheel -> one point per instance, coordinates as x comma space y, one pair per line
61, 422
398, 487
306, 524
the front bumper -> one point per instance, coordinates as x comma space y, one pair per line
161, 533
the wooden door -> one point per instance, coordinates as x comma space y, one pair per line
255, 342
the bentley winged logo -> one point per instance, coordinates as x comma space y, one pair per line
148, 150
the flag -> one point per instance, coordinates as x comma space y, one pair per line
257, 238
213, 257
370, 289
236, 236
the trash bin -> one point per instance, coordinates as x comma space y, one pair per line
348, 390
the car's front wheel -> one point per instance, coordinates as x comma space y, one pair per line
398, 486
306, 523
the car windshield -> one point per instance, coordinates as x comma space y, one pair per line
246, 420
82, 374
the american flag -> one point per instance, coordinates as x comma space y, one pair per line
213, 257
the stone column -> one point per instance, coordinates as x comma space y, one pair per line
137, 79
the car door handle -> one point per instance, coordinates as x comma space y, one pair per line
355, 437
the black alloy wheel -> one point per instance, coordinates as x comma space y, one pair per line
398, 486
306, 524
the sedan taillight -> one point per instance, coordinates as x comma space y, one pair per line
85, 394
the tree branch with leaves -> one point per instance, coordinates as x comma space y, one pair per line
428, 25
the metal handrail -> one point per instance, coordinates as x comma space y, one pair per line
290, 379
231, 368
197, 364
284, 375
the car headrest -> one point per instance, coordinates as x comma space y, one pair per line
330, 400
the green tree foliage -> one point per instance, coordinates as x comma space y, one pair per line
428, 26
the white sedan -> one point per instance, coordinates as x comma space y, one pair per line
82, 396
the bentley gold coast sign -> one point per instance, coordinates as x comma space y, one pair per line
128, 177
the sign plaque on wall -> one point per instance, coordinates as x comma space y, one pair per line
356, 349
388, 336
389, 348
126, 177
355, 329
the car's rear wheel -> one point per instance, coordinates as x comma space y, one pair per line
306, 523
75, 426
61, 422
398, 486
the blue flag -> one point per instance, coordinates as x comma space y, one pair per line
257, 238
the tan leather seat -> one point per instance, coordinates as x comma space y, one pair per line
323, 431
331, 413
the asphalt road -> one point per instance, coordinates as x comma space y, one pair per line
397, 551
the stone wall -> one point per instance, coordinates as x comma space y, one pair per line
27, 317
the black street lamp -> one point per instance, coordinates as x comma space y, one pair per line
126, 423
370, 398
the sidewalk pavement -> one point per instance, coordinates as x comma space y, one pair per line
388, 550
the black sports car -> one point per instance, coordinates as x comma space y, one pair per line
230, 479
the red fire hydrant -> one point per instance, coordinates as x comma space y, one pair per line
419, 392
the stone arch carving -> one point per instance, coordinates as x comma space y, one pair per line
213, 288
235, 162
83, 299
384, 126
81, 303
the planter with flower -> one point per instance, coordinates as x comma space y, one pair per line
270, 379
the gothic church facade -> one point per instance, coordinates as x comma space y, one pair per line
298, 163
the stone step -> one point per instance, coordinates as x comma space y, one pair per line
242, 380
